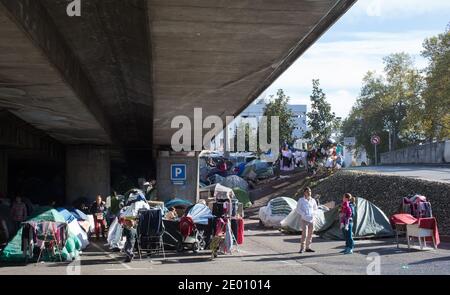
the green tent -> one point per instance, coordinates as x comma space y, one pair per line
13, 251
369, 221
243, 197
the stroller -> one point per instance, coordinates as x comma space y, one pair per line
194, 228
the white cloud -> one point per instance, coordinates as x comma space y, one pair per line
341, 65
398, 8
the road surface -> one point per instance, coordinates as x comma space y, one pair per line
431, 173
264, 252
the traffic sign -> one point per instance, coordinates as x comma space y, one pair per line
178, 173
375, 140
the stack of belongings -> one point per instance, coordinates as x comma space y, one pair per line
416, 210
239, 186
417, 206
227, 224
276, 210
136, 201
28, 241
174, 209
194, 227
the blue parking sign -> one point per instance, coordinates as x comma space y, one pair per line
178, 173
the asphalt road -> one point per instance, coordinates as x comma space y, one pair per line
264, 252
431, 173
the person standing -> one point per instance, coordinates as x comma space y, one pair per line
18, 211
346, 222
130, 232
306, 208
98, 209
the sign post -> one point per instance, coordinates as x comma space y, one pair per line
375, 140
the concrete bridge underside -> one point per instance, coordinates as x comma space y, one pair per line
110, 81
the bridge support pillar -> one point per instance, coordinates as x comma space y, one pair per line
87, 172
177, 176
3, 172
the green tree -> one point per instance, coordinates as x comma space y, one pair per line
402, 102
279, 106
390, 106
436, 115
366, 117
321, 120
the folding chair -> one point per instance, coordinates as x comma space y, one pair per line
150, 231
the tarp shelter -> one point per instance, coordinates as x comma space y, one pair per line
231, 181
13, 251
242, 196
260, 168
276, 210
369, 221
74, 227
79, 215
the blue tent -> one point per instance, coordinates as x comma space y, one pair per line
178, 203
79, 215
66, 214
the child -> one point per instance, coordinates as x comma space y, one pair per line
346, 222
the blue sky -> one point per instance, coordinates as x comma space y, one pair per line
370, 30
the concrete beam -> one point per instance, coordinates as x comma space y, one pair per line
112, 45
87, 172
221, 55
42, 81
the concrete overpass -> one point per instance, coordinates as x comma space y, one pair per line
104, 86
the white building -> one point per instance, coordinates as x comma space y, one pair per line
256, 110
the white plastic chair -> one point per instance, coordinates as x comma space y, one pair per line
413, 230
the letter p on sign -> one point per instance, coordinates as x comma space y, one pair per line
178, 173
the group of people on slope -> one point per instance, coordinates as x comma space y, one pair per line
307, 208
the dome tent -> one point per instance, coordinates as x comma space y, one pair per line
370, 221
13, 251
